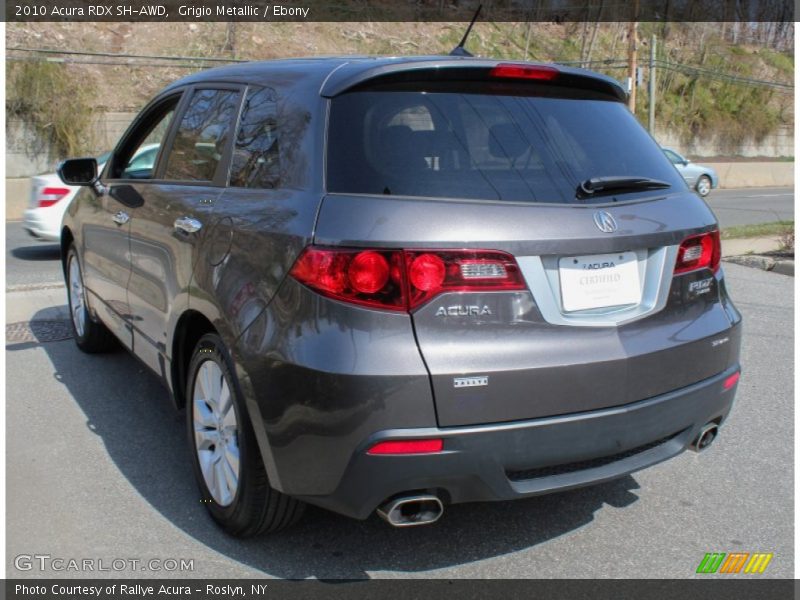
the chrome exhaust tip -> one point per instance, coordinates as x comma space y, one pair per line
705, 438
408, 511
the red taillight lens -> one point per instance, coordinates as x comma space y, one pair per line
368, 272
536, 72
407, 447
367, 277
699, 252
731, 381
50, 195
442, 271
426, 272
404, 279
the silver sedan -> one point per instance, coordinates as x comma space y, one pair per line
701, 178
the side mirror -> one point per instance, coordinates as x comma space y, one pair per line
686, 161
78, 171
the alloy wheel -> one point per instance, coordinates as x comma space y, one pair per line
216, 433
76, 296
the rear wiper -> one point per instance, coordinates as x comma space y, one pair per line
605, 185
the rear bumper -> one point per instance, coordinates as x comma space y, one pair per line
528, 458
41, 227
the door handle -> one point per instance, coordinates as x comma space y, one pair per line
121, 218
187, 225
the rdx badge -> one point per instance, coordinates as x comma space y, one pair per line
463, 311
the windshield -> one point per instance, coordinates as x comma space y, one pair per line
483, 146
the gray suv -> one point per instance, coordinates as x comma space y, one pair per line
397, 284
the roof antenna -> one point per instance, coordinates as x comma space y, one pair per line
459, 50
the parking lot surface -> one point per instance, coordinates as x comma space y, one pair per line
98, 468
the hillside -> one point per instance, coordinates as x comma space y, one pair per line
690, 104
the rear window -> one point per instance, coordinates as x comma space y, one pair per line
484, 146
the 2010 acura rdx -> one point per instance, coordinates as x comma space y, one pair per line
401, 283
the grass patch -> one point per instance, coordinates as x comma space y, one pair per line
776, 228
54, 102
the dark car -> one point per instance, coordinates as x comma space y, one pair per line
402, 283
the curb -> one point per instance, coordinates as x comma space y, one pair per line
765, 263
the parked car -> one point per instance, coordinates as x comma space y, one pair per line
701, 178
50, 197
395, 284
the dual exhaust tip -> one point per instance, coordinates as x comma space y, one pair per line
408, 511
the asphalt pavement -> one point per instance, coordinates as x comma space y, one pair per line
30, 263
752, 205
97, 468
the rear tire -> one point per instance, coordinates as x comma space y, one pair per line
226, 458
91, 336
703, 185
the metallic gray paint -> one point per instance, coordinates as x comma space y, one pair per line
322, 380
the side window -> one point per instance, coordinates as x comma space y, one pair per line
256, 159
137, 158
202, 135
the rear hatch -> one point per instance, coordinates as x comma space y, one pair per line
558, 223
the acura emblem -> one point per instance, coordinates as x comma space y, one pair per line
605, 222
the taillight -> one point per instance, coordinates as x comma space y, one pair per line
699, 252
407, 447
536, 72
50, 195
431, 273
404, 279
368, 277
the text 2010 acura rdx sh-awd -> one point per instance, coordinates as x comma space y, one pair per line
396, 284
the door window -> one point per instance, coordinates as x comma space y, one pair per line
202, 136
136, 157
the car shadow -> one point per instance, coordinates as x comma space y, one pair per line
36, 252
127, 407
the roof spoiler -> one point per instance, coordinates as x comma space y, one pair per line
457, 68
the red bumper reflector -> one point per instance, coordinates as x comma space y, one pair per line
731, 381
407, 447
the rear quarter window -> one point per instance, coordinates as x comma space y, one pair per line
256, 153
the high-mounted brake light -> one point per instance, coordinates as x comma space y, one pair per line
536, 72
407, 447
50, 195
699, 252
403, 280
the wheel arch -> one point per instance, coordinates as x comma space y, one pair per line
66, 241
191, 326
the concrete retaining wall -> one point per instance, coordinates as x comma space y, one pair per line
753, 174
18, 192
22, 159
777, 144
